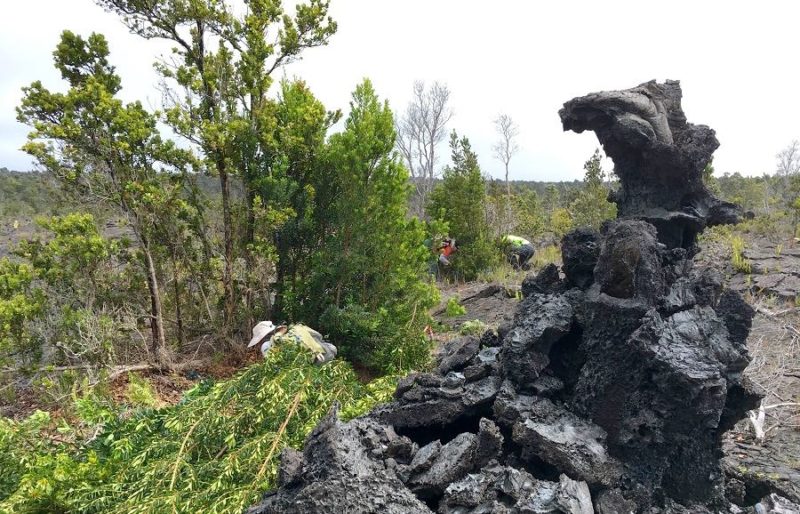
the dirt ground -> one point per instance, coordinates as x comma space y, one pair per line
773, 288
168, 387
491, 303
775, 370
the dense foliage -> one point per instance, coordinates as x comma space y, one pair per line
591, 207
460, 202
296, 248
215, 452
365, 280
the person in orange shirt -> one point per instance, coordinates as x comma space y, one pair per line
447, 248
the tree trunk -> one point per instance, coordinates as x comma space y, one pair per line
508, 212
227, 273
177, 289
249, 237
508, 185
159, 343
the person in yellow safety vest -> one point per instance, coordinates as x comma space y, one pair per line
519, 251
267, 334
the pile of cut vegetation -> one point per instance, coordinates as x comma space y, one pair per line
215, 452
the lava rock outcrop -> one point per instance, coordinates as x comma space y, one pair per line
658, 156
608, 392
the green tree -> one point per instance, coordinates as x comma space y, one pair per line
552, 199
20, 301
90, 292
561, 222
367, 279
460, 201
108, 152
294, 188
591, 207
752, 193
219, 83
709, 179
529, 214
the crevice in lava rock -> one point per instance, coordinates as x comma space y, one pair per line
567, 359
468, 423
754, 492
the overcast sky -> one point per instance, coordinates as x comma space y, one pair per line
737, 63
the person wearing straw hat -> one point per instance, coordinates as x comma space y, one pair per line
266, 333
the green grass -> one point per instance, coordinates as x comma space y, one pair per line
547, 255
738, 260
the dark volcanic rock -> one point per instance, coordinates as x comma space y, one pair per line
663, 403
454, 460
290, 467
611, 501
609, 390
580, 250
490, 442
343, 470
658, 156
738, 316
458, 352
551, 433
439, 405
547, 281
541, 321
629, 265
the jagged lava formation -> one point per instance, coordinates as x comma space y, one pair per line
609, 391
658, 156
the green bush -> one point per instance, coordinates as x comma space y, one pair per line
376, 340
20, 444
366, 288
472, 328
768, 225
140, 393
591, 207
561, 222
454, 308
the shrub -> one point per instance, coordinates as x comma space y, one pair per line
367, 283
738, 260
561, 222
472, 328
454, 308
140, 393
459, 200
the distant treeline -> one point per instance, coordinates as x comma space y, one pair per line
29, 194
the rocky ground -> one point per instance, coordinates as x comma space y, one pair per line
772, 288
774, 345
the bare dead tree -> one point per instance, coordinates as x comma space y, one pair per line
505, 148
788, 159
419, 132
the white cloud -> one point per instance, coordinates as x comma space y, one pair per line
735, 60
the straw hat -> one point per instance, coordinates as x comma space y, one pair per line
261, 331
